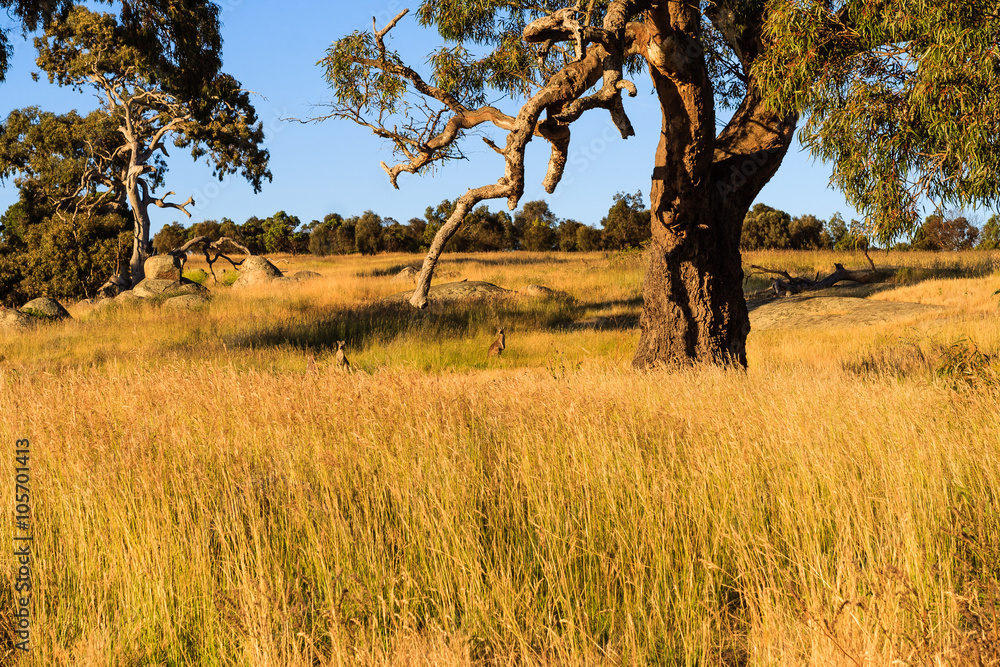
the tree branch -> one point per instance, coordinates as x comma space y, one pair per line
786, 284
155, 141
561, 99
148, 199
208, 246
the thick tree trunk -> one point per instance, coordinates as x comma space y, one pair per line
703, 185
140, 236
694, 304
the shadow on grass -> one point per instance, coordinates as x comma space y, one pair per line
366, 324
512, 260
904, 275
388, 270
626, 322
634, 302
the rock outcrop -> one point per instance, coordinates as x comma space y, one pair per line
46, 309
109, 290
187, 302
256, 270
407, 275
13, 320
151, 287
538, 290
128, 296
461, 291
162, 267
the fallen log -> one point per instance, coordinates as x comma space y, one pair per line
785, 284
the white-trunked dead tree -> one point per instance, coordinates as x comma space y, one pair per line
156, 70
561, 60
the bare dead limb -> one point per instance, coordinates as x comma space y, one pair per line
785, 284
560, 100
208, 247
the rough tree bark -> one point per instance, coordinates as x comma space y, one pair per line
694, 308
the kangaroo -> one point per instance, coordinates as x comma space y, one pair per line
498, 346
342, 362
311, 368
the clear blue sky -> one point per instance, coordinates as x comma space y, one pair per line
333, 167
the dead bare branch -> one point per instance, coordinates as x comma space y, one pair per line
786, 284
562, 99
207, 246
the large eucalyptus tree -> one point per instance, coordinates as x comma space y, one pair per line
155, 68
898, 93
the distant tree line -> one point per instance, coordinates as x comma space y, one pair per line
533, 228
68, 253
767, 228
536, 228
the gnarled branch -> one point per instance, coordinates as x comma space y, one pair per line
207, 246
159, 202
547, 113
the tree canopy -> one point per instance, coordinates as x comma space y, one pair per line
156, 71
899, 96
64, 237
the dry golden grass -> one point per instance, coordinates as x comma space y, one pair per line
201, 500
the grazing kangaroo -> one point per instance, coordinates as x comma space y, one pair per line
342, 362
498, 346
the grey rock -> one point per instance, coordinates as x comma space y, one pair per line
12, 320
162, 267
128, 296
150, 288
187, 302
256, 270
465, 290
407, 275
108, 290
187, 287
538, 290
46, 308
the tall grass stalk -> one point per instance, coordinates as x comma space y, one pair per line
202, 500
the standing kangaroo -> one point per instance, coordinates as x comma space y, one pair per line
498, 346
342, 362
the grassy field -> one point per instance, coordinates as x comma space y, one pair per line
201, 499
